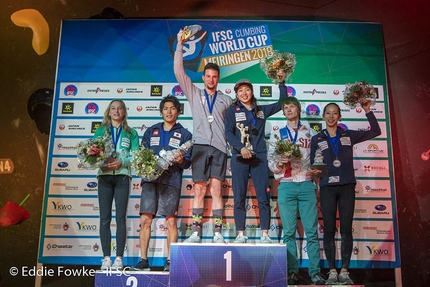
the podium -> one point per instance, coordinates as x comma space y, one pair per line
228, 265
210, 264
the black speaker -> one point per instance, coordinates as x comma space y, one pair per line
39, 109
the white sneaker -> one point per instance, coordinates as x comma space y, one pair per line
193, 239
106, 264
265, 239
118, 264
218, 238
241, 239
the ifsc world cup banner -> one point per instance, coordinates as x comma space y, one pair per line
132, 60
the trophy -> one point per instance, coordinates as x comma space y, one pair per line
166, 157
190, 31
319, 164
244, 138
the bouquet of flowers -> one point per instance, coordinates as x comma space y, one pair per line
144, 164
92, 152
287, 148
354, 94
278, 61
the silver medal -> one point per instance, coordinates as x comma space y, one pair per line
211, 118
336, 163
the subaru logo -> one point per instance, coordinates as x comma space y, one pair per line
92, 184
380, 207
63, 164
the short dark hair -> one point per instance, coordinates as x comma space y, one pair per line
173, 100
211, 66
334, 104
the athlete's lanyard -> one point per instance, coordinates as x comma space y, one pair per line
251, 113
333, 142
210, 104
296, 132
115, 136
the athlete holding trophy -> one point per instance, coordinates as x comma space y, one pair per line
209, 156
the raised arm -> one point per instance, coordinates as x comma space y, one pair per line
178, 68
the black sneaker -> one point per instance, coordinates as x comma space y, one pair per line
293, 279
143, 265
167, 265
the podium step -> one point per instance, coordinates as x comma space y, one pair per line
131, 278
211, 264
228, 264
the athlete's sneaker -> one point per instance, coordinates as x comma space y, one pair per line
193, 239
344, 279
241, 239
106, 264
167, 265
317, 279
118, 264
332, 278
218, 238
142, 265
265, 239
293, 279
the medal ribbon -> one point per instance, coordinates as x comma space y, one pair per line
115, 136
210, 105
251, 112
296, 132
333, 142
164, 136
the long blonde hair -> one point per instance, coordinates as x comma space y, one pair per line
107, 120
